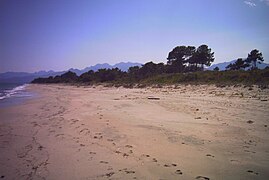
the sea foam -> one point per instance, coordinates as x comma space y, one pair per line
16, 91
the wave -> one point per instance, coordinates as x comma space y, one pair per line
16, 91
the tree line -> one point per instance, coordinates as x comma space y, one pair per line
182, 59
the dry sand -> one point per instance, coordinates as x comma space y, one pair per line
191, 132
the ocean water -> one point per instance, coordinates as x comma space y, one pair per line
11, 93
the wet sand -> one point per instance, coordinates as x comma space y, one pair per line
183, 132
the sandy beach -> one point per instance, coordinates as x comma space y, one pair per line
96, 132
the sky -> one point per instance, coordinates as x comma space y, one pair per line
61, 34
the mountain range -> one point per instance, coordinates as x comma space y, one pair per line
122, 66
24, 77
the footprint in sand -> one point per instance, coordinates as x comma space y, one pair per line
130, 172
109, 174
127, 171
40, 148
97, 137
179, 172
86, 131
145, 155
124, 169
235, 161
73, 121
202, 178
24, 152
209, 155
252, 172
170, 165
104, 162
117, 152
35, 124
52, 131
58, 135
125, 155
249, 151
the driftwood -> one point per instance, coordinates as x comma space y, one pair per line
154, 98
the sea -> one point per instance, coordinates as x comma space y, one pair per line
13, 93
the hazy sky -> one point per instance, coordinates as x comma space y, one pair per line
60, 34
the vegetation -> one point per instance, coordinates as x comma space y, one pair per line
185, 65
239, 64
186, 59
253, 58
259, 77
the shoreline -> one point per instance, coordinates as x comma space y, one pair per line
14, 95
190, 132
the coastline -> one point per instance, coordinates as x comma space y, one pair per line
100, 132
14, 94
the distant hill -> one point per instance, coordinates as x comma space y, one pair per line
124, 66
24, 77
224, 64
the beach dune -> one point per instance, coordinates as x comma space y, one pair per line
176, 132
